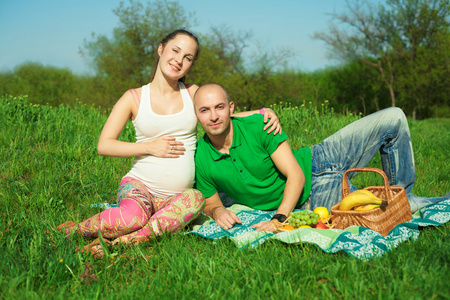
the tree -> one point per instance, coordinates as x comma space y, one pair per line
229, 46
420, 53
359, 88
382, 37
221, 60
424, 80
220, 56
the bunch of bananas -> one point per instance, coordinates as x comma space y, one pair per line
361, 200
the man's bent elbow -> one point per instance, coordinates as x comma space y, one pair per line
300, 176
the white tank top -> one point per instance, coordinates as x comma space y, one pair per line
165, 177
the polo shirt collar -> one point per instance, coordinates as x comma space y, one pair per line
216, 155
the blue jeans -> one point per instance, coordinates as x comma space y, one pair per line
354, 146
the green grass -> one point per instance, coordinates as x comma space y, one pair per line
50, 173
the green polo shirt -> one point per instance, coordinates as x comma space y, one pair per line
248, 174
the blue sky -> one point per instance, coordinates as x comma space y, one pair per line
52, 31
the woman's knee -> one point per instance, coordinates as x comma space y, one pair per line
196, 198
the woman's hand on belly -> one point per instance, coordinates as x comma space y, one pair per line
166, 146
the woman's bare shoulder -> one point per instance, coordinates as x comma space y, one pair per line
129, 102
192, 88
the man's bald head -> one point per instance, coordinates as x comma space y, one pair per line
210, 90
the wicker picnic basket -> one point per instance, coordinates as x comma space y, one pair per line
381, 220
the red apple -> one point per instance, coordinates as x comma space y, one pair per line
320, 225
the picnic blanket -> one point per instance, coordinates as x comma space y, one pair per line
359, 242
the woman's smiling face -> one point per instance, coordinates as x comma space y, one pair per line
178, 55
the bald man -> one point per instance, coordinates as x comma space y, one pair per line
257, 170
261, 171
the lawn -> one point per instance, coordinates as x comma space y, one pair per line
51, 173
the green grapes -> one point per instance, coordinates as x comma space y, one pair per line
302, 218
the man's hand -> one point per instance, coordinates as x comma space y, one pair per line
225, 218
264, 226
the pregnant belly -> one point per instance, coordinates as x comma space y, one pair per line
171, 177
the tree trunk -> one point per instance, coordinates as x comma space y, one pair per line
363, 103
377, 104
391, 92
390, 82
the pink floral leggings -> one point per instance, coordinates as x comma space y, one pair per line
139, 215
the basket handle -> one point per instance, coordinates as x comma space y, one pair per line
346, 188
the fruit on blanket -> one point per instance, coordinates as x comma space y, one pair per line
302, 218
360, 197
288, 227
322, 212
305, 226
320, 225
366, 207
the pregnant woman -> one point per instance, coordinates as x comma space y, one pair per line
156, 195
